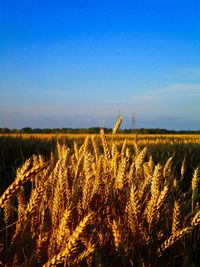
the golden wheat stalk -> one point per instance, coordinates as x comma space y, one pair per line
16, 185
95, 147
71, 244
76, 151
106, 148
135, 204
121, 175
35, 200
41, 243
156, 181
162, 197
97, 184
88, 182
151, 164
135, 214
86, 145
28, 164
174, 238
123, 150
117, 125
195, 183
116, 234
7, 211
140, 159
20, 210
63, 231
87, 253
55, 209
196, 219
167, 168
183, 168
176, 222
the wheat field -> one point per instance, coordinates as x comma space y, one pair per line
102, 201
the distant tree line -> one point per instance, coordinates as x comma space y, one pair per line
94, 130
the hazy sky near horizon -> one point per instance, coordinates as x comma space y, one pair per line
80, 63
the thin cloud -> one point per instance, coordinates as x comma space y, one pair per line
172, 91
162, 105
184, 75
186, 89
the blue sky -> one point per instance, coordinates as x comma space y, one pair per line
80, 63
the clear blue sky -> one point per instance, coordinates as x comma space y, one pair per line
80, 63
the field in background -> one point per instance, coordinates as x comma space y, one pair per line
99, 200
143, 139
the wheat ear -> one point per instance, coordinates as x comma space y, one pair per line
117, 125
116, 234
16, 185
196, 219
195, 183
71, 244
174, 238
